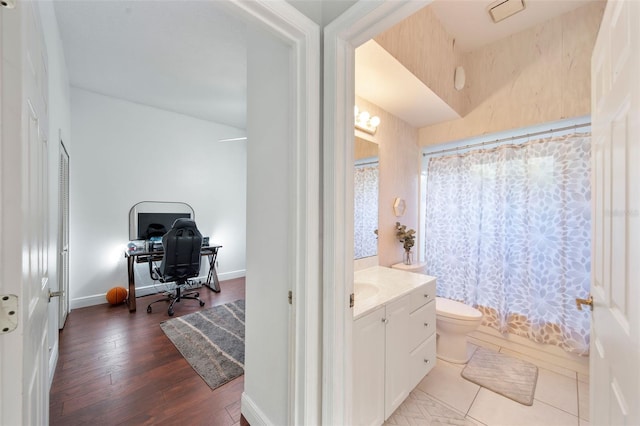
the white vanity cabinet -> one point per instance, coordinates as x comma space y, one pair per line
394, 348
368, 368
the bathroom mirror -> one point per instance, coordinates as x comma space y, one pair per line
365, 206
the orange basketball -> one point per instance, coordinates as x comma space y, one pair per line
116, 295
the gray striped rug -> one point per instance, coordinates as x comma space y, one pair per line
212, 341
503, 374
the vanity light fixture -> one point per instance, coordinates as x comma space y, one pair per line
363, 121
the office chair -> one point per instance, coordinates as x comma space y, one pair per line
180, 261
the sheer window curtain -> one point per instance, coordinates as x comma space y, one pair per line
365, 209
508, 230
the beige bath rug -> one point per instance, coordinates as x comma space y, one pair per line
503, 374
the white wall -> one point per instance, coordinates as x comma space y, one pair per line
269, 186
125, 153
59, 127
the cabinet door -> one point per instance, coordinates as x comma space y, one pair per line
422, 360
368, 369
397, 354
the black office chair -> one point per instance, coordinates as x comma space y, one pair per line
180, 261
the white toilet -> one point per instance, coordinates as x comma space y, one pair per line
454, 320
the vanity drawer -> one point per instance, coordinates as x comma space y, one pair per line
422, 324
423, 295
421, 361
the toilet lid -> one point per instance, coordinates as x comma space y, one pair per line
453, 309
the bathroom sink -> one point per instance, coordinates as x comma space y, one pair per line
365, 290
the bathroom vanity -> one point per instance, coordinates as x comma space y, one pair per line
394, 339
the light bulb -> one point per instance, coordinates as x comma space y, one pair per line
374, 121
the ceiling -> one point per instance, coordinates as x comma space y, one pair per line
470, 24
190, 56
382, 80
187, 57
393, 88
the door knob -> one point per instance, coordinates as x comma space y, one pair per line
580, 302
55, 294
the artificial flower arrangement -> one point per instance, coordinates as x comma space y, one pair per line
406, 237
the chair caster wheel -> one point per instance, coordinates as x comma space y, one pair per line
171, 312
201, 303
148, 309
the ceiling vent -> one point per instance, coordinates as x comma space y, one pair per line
502, 9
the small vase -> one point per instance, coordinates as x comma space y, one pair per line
408, 257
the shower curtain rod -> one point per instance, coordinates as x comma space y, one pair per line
512, 138
368, 163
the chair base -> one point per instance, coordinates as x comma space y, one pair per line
175, 298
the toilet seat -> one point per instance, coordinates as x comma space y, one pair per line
452, 309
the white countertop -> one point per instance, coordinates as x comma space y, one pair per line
383, 285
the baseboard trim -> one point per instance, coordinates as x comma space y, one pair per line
98, 299
251, 412
231, 275
548, 356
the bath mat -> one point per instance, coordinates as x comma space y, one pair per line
212, 341
503, 374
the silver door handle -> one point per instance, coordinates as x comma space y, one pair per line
55, 294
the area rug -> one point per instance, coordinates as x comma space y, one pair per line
212, 341
503, 374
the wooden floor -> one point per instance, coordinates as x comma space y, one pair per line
120, 368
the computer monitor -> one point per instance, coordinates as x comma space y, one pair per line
157, 224
154, 216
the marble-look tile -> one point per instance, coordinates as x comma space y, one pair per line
557, 390
445, 383
475, 421
493, 409
449, 364
583, 400
422, 409
584, 378
482, 343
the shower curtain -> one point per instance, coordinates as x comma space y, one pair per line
508, 230
365, 209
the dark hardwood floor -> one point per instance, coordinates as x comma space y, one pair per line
120, 368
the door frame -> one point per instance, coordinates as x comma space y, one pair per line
303, 36
360, 23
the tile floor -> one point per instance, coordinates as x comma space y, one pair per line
445, 397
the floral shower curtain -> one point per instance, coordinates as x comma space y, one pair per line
365, 209
508, 230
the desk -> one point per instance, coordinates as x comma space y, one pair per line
142, 256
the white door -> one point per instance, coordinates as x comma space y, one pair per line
24, 217
63, 236
615, 287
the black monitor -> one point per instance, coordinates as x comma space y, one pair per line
156, 224
161, 213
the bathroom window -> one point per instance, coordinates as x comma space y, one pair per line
508, 230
